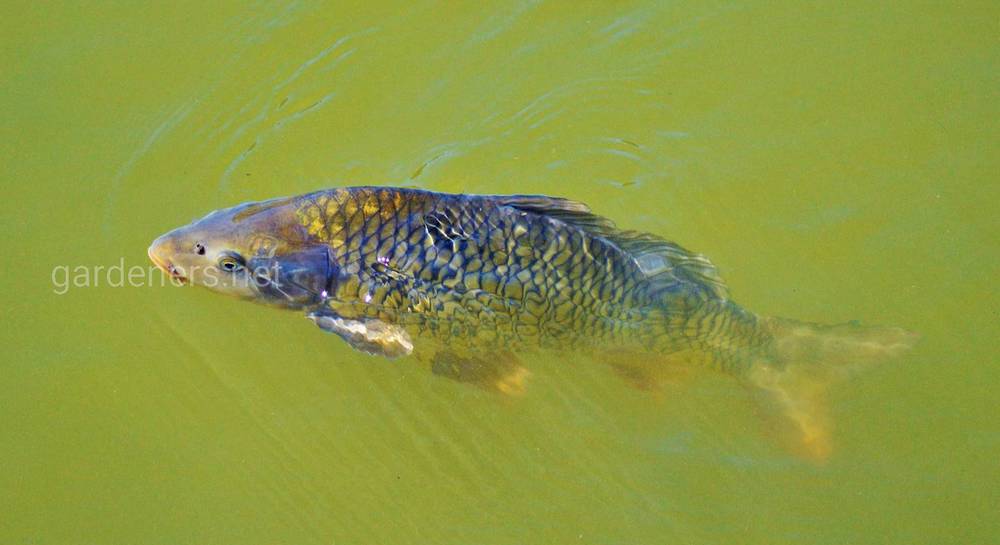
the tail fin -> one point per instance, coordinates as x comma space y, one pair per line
807, 360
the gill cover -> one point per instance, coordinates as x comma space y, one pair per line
297, 279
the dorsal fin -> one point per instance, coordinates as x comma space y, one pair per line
660, 260
571, 212
656, 256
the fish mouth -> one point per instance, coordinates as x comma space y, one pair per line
166, 266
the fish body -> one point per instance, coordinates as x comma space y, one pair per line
471, 281
513, 271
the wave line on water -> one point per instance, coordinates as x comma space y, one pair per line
266, 110
172, 120
262, 136
311, 61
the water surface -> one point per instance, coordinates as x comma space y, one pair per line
836, 162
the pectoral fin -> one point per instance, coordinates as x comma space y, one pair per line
370, 336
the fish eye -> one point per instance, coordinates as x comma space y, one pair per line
230, 263
199, 248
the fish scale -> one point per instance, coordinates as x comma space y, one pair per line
534, 279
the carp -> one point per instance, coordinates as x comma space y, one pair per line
469, 283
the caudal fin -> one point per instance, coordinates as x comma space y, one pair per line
807, 360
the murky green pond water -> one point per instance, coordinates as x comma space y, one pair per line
837, 162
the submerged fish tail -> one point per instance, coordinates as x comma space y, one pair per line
790, 365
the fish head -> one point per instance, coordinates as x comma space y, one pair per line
256, 251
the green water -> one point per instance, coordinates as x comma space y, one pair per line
835, 161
